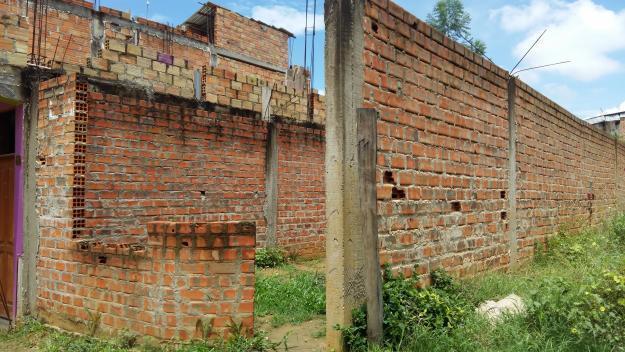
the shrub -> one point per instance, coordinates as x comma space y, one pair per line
408, 310
592, 313
618, 228
270, 257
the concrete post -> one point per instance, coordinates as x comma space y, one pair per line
27, 281
344, 84
512, 174
270, 208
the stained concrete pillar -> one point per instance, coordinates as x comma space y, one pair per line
270, 207
512, 174
344, 72
27, 265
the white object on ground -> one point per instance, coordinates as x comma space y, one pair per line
495, 310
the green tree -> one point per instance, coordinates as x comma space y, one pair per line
450, 18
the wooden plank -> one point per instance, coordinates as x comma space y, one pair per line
367, 156
7, 173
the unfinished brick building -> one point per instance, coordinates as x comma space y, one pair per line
142, 164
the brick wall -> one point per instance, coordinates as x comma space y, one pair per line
139, 159
443, 153
567, 170
442, 147
159, 160
112, 165
231, 65
71, 34
301, 196
241, 34
185, 274
245, 92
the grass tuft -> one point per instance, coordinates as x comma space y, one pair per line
294, 297
574, 291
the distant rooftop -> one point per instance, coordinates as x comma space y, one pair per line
616, 116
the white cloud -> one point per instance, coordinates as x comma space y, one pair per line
559, 92
581, 31
615, 109
286, 17
157, 17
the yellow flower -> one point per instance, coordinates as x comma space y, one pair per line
602, 308
574, 331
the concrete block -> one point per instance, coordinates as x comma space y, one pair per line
180, 62
118, 68
100, 63
236, 85
144, 62
150, 74
166, 78
134, 71
159, 66
211, 98
149, 53
173, 70
21, 47
187, 92
133, 49
110, 55
180, 82
109, 75
16, 59
117, 45
186, 73
90, 72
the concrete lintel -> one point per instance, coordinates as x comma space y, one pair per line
11, 84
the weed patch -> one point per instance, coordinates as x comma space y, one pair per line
270, 257
34, 334
295, 297
574, 291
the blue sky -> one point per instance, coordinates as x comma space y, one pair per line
590, 33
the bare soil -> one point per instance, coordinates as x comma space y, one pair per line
308, 336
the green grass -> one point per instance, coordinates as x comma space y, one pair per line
573, 305
33, 333
291, 296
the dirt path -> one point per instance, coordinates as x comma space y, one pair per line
15, 346
305, 337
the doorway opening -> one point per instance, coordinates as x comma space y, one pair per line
9, 157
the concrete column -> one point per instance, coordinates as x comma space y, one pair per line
344, 72
270, 208
512, 173
27, 281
